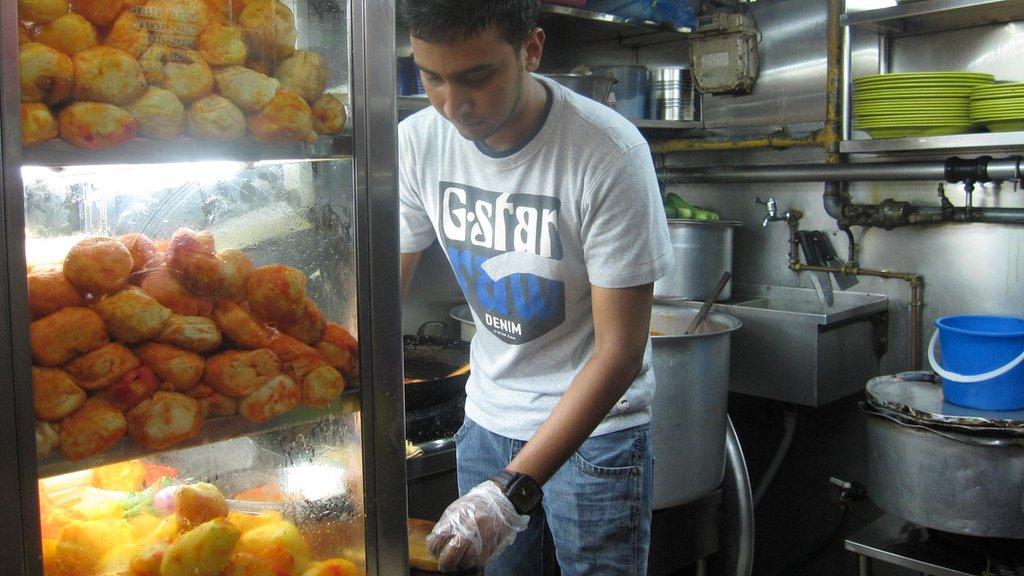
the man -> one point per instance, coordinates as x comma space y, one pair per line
547, 207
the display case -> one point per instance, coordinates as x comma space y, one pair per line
202, 353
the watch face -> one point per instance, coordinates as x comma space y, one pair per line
524, 493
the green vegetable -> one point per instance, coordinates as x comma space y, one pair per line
671, 212
686, 210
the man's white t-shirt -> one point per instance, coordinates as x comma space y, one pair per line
527, 233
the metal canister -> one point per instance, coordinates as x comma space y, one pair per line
672, 95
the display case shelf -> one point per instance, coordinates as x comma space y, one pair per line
638, 24
932, 15
145, 151
214, 430
979, 142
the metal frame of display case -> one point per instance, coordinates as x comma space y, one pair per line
373, 149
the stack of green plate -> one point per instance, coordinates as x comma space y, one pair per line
915, 103
1000, 107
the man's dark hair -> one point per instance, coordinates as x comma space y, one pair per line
447, 21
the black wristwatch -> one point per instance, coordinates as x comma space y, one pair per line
522, 491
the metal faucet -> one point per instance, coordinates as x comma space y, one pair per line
772, 211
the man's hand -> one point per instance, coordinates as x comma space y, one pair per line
475, 528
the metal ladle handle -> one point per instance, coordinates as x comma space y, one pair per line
699, 318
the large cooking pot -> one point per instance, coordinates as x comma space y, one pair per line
703, 252
594, 86
428, 362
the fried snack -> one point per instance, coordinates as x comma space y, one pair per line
236, 267
47, 76
131, 389
286, 118
147, 561
226, 10
102, 367
95, 125
309, 328
143, 252
127, 476
132, 315
191, 255
47, 439
165, 288
222, 45
340, 349
297, 359
49, 291
303, 73
235, 373
164, 420
98, 265
180, 70
61, 336
128, 33
54, 393
269, 29
247, 89
42, 11
218, 405
69, 34
37, 123
175, 22
203, 551
277, 293
273, 398
280, 546
83, 543
193, 333
329, 115
264, 66
93, 429
99, 12
23, 34
160, 114
177, 369
333, 567
105, 74
215, 118
200, 502
321, 386
240, 326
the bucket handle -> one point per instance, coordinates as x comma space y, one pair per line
962, 377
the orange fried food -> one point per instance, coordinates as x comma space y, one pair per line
69, 34
93, 429
297, 359
132, 315
277, 293
191, 255
160, 114
333, 567
47, 438
175, 22
245, 88
98, 265
269, 28
102, 367
180, 70
273, 398
236, 268
177, 369
143, 252
200, 502
99, 12
42, 11
286, 118
163, 285
105, 74
193, 333
309, 328
47, 76
38, 124
222, 45
218, 405
164, 420
322, 385
49, 291
240, 326
340, 349
225, 9
303, 73
131, 389
54, 393
129, 33
127, 476
215, 118
329, 115
235, 373
148, 561
61, 336
96, 125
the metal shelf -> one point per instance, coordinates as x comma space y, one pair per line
932, 15
621, 21
214, 430
145, 151
987, 141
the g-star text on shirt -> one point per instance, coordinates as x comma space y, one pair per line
509, 222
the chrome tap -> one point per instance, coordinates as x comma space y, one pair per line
772, 211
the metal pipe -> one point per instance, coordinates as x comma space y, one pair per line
902, 171
847, 77
833, 77
935, 215
777, 140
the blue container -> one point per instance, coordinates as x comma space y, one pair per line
630, 88
678, 13
983, 361
409, 82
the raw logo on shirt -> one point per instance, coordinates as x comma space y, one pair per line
477, 225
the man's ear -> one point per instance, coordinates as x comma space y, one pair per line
533, 48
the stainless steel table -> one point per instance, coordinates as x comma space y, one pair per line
895, 541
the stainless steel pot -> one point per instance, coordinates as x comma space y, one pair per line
593, 86
467, 328
703, 252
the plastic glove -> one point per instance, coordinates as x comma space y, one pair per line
475, 528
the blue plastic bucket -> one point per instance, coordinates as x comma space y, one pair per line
983, 361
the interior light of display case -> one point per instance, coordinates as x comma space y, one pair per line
142, 178
314, 481
861, 5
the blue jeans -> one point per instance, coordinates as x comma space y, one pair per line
598, 504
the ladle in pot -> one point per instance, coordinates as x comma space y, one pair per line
703, 312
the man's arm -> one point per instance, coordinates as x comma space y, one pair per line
622, 319
410, 260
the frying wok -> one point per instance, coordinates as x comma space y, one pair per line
428, 362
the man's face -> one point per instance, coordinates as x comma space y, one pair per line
476, 83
